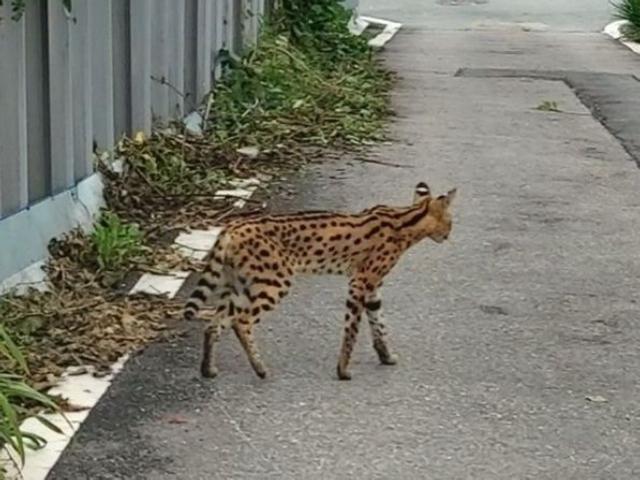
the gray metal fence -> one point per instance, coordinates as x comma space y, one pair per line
72, 80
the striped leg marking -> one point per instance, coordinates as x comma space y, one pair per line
373, 308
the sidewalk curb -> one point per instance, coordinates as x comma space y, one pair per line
390, 29
613, 30
359, 24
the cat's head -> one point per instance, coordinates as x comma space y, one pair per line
438, 222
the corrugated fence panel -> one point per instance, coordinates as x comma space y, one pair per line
160, 58
235, 24
13, 115
60, 114
267, 7
38, 140
121, 65
249, 13
81, 33
203, 50
229, 27
219, 39
213, 31
224, 23
141, 65
102, 74
190, 52
175, 88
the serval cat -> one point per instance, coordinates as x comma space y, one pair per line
250, 268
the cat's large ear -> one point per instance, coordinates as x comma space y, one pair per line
448, 198
421, 192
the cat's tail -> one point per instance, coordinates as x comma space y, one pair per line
213, 280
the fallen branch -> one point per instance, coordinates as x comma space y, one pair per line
163, 81
381, 162
209, 195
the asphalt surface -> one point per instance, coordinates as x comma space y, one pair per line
612, 98
544, 15
518, 340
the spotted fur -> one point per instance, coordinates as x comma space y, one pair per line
251, 266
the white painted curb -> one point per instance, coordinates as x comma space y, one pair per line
390, 29
359, 24
614, 31
86, 390
82, 391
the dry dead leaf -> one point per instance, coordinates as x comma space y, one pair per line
596, 399
176, 419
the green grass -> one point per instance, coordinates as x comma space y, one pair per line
15, 395
629, 10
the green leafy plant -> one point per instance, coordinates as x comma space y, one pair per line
320, 27
629, 10
116, 244
308, 80
165, 164
549, 106
15, 396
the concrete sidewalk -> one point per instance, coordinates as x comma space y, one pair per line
518, 341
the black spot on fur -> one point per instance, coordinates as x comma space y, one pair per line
199, 294
353, 308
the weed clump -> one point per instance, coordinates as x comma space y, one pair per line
169, 180
115, 243
629, 10
307, 81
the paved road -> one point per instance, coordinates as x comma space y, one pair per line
502, 333
565, 15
